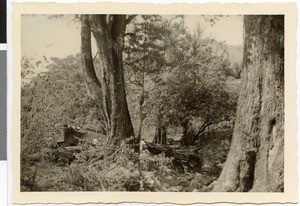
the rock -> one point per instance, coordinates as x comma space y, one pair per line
132, 185
198, 176
205, 166
165, 185
175, 189
192, 186
220, 165
147, 182
94, 142
156, 182
204, 188
170, 180
184, 183
164, 189
152, 166
195, 190
62, 157
169, 177
211, 186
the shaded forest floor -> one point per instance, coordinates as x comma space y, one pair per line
126, 170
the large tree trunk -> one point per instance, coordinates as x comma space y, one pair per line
255, 161
109, 31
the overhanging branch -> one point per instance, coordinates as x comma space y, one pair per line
130, 18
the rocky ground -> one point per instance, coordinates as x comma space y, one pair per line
187, 169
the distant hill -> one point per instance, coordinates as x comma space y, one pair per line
235, 53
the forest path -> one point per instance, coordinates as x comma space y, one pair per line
212, 148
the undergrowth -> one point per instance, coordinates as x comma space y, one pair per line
121, 169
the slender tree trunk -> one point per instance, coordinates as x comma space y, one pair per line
189, 137
142, 98
163, 135
160, 136
92, 83
255, 161
109, 31
186, 138
139, 135
157, 134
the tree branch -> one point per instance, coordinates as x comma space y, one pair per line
95, 56
130, 18
129, 34
177, 16
202, 128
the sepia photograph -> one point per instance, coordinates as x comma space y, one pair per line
152, 103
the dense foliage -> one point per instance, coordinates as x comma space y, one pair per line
54, 97
179, 76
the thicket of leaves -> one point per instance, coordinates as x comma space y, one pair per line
54, 97
181, 74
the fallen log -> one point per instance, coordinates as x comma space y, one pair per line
156, 149
75, 149
181, 162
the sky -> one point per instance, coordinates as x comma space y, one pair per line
229, 29
60, 37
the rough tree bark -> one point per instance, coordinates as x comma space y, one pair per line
256, 158
106, 84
